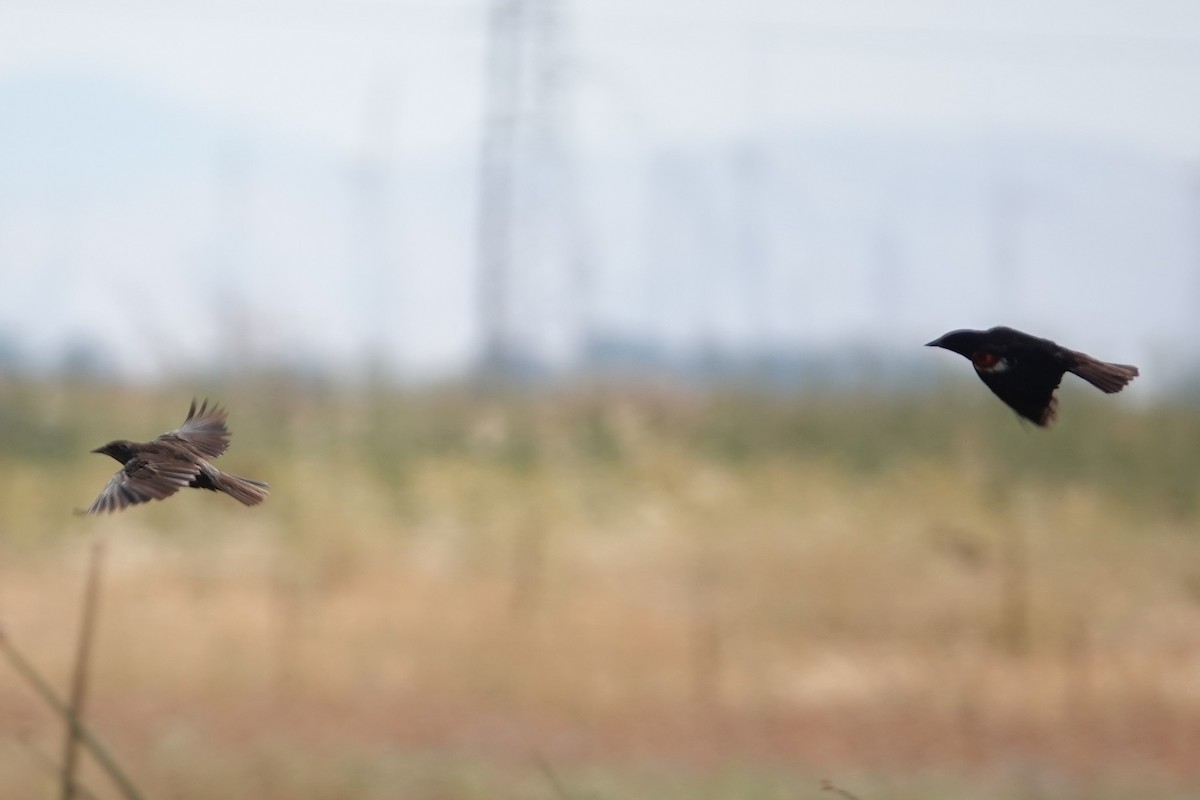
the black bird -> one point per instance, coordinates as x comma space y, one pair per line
1024, 370
159, 468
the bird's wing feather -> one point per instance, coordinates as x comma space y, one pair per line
142, 481
204, 430
1028, 383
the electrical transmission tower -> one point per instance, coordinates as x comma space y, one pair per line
497, 172
371, 188
527, 210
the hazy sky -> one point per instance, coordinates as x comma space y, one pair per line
1121, 70
403, 81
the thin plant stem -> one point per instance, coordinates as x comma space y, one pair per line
53, 768
552, 777
42, 687
83, 653
829, 786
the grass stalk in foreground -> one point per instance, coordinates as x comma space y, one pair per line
83, 651
53, 768
544, 766
829, 786
89, 739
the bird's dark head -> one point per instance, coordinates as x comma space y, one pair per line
964, 342
121, 450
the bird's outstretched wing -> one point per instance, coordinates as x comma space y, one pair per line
1027, 382
141, 481
204, 430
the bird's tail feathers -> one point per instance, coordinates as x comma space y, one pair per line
246, 491
1108, 378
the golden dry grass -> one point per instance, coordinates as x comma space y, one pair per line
445, 592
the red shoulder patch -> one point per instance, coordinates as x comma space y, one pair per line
984, 359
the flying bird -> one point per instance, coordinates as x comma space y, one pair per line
157, 469
1024, 371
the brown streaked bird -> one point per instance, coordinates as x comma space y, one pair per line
1024, 371
159, 468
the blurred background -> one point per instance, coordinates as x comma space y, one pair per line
581, 344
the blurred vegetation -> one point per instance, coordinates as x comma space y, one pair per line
1145, 458
659, 591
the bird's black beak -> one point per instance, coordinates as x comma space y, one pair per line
935, 343
99, 450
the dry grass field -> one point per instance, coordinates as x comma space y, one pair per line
611, 594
